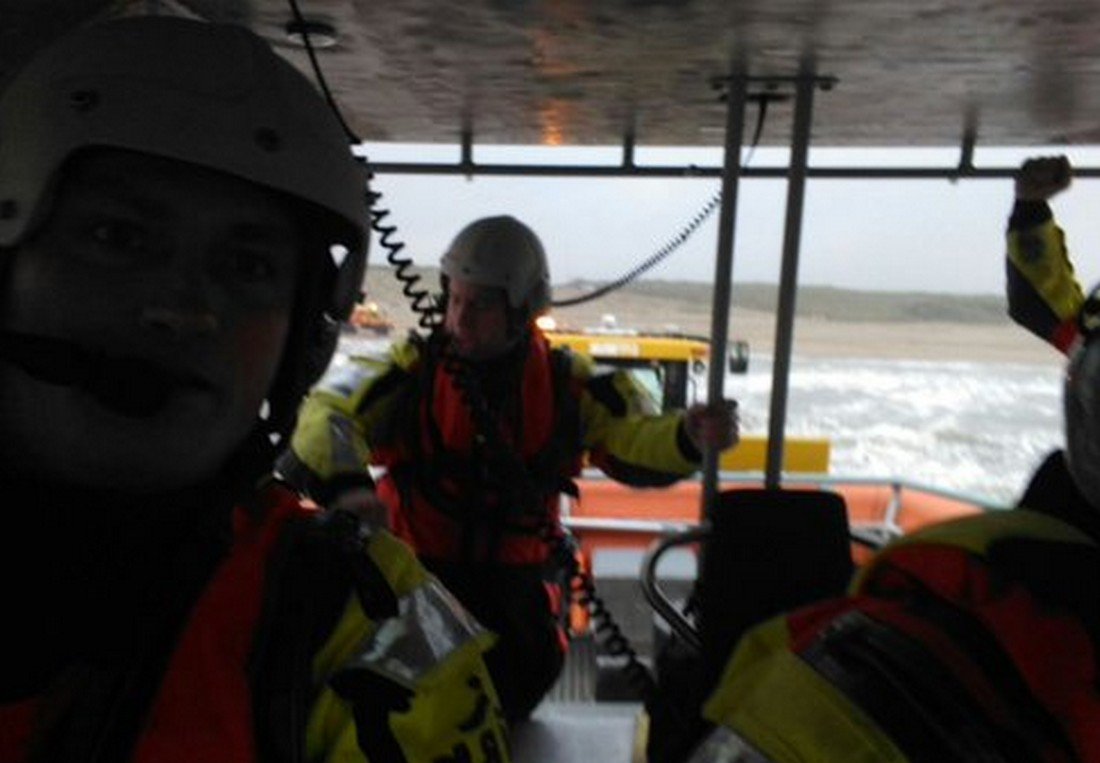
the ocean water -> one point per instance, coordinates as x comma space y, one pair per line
977, 428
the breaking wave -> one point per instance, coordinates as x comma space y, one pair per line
978, 428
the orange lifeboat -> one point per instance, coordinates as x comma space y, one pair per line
609, 515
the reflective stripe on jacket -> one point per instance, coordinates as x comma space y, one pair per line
1043, 293
411, 688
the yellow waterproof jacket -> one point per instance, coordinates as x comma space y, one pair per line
951, 628
372, 411
412, 687
1043, 293
310, 641
351, 411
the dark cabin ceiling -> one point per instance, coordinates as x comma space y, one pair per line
583, 72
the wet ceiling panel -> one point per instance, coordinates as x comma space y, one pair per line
584, 72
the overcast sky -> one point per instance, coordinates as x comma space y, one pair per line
907, 235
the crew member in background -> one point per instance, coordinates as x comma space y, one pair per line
976, 639
170, 196
1043, 293
480, 428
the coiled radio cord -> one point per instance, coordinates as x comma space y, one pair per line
563, 547
606, 629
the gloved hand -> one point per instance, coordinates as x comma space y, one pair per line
713, 427
1041, 177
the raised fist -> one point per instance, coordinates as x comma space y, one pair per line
1041, 177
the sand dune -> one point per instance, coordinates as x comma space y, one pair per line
927, 340
831, 322
822, 337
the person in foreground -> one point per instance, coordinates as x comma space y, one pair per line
181, 229
975, 639
481, 427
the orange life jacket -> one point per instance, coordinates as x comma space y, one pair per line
453, 498
203, 708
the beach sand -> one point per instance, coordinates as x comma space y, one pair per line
819, 338
995, 340
823, 338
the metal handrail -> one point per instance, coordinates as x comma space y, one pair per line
871, 534
686, 171
661, 604
675, 534
796, 479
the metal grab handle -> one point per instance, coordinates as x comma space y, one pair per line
656, 598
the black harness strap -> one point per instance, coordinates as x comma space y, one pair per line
492, 493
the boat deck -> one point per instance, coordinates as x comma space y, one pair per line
582, 732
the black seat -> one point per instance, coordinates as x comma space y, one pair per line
766, 551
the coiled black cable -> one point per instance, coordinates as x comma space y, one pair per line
608, 633
504, 459
421, 300
676, 241
562, 548
649, 262
469, 389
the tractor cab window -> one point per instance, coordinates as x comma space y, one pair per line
648, 377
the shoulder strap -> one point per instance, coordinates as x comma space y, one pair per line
563, 451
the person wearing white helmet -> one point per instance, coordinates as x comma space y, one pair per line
479, 429
495, 259
182, 228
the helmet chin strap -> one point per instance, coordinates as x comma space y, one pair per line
109, 380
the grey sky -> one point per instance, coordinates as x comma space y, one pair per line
874, 234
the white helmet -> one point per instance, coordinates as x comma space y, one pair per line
213, 95
504, 253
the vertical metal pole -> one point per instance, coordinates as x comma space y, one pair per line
788, 277
720, 308
628, 150
467, 160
